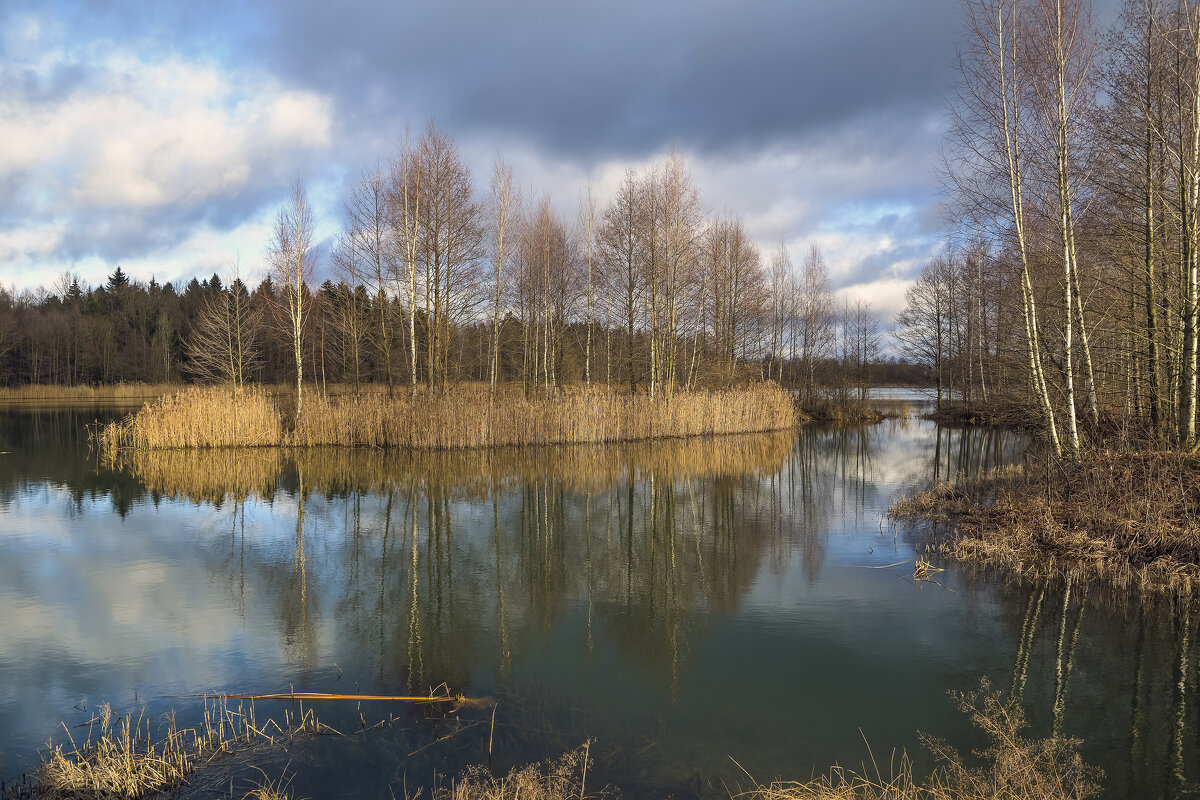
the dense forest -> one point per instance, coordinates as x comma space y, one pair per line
1073, 163
433, 282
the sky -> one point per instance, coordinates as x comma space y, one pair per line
164, 136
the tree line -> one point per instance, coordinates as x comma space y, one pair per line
433, 282
1073, 160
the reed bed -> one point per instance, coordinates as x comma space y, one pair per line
207, 418
198, 418
1128, 520
120, 757
217, 474
465, 420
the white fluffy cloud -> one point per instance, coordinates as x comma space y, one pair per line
141, 133
98, 162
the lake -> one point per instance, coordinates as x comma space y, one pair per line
699, 610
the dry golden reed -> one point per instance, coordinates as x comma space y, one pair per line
199, 418
465, 418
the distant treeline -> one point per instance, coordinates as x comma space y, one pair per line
127, 331
434, 284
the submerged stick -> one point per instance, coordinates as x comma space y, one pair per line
322, 696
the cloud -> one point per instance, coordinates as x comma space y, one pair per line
131, 156
135, 130
625, 77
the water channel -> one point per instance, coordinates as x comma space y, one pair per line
698, 610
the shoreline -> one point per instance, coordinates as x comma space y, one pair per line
1126, 519
124, 756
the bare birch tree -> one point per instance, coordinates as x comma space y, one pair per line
292, 260
503, 202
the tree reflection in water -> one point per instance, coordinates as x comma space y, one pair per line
542, 570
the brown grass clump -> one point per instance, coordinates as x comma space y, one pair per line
202, 418
1012, 768
1002, 413
1013, 765
562, 779
849, 412
1131, 519
120, 758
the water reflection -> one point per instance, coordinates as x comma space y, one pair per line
1117, 672
465, 549
702, 598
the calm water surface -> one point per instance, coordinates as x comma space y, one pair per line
681, 604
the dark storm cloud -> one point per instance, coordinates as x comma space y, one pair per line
623, 77
139, 233
846, 94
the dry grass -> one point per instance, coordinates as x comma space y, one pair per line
1130, 519
217, 474
205, 418
849, 412
1005, 413
562, 779
111, 393
1012, 768
198, 418
280, 789
121, 758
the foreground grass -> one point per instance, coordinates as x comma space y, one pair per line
120, 761
564, 778
206, 418
1013, 767
1130, 519
118, 757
